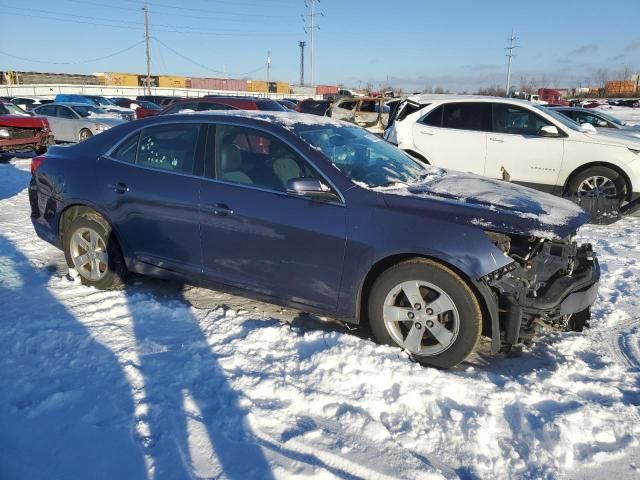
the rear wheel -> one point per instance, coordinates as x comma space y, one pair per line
85, 133
426, 309
90, 249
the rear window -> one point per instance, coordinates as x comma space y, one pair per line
467, 116
270, 106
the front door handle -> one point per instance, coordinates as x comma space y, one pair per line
422, 132
222, 210
119, 187
494, 139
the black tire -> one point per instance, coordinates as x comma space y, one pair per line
115, 274
597, 171
84, 134
463, 298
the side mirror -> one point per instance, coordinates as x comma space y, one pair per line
602, 123
310, 188
587, 128
549, 131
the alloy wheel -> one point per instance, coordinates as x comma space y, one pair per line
597, 186
421, 318
89, 254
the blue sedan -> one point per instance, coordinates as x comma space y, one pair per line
322, 216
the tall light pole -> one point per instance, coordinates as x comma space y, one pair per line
268, 68
512, 46
145, 9
301, 44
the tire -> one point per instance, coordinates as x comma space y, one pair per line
607, 182
84, 134
103, 266
439, 288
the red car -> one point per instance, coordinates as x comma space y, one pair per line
20, 132
223, 103
143, 108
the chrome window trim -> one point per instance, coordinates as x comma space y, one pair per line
108, 156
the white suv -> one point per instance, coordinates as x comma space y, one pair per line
518, 141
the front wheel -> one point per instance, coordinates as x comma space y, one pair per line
426, 309
598, 182
85, 133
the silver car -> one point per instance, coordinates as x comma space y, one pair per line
76, 122
598, 119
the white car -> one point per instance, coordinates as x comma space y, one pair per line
27, 103
518, 141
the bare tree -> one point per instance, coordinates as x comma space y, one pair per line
602, 75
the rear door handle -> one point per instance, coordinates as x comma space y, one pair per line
494, 139
222, 210
119, 187
427, 133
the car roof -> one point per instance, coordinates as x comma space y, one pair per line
445, 97
68, 104
283, 119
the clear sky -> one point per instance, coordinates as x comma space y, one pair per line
454, 44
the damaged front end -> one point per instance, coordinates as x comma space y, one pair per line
551, 283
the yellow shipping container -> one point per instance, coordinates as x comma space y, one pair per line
172, 82
118, 79
257, 86
283, 87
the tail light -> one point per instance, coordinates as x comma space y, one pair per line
36, 162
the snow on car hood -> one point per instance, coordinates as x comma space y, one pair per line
493, 204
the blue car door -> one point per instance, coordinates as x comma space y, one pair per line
150, 187
256, 236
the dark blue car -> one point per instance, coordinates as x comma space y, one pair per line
322, 216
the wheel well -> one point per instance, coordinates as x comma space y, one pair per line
72, 212
382, 265
615, 168
416, 155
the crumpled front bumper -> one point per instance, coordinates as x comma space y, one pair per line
569, 293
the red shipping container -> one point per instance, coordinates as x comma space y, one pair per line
218, 84
326, 90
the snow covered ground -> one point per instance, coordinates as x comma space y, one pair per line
165, 382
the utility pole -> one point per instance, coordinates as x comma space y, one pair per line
311, 4
301, 44
145, 9
268, 67
510, 55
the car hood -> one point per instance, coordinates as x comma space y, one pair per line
21, 121
106, 120
617, 137
490, 204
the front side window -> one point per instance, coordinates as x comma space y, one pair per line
64, 112
169, 147
474, 116
47, 111
516, 120
251, 157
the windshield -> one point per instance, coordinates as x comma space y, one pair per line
149, 105
362, 157
566, 121
11, 109
102, 102
610, 118
88, 111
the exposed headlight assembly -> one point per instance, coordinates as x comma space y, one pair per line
101, 127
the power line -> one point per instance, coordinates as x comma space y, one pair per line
195, 62
97, 59
311, 4
228, 33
